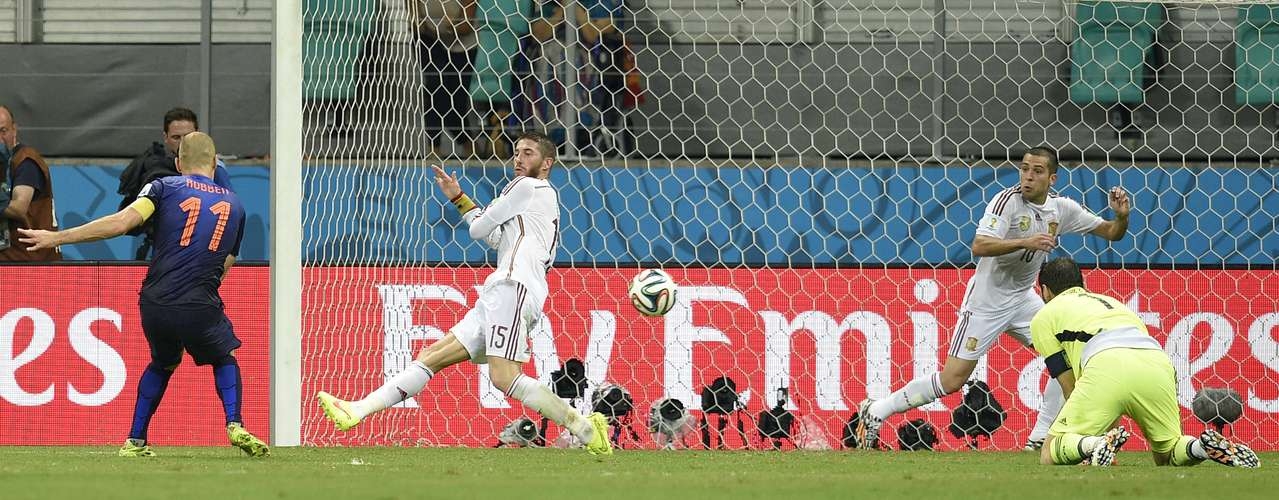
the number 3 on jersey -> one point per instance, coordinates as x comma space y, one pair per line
191, 206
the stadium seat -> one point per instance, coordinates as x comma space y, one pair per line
1257, 55
333, 33
1108, 56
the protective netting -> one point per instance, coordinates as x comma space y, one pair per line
810, 172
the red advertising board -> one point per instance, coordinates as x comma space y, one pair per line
71, 348
71, 351
831, 337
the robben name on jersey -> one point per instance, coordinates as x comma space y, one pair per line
197, 225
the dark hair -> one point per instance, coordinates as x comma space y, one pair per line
1046, 152
544, 143
180, 115
1061, 274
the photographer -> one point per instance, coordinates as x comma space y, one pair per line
157, 161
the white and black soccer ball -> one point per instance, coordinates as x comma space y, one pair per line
653, 292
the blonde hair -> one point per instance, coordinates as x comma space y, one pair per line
197, 152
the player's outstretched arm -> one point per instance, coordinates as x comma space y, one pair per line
1114, 230
447, 183
453, 190
990, 246
104, 228
470, 211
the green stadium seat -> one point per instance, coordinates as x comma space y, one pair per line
1257, 55
333, 33
500, 27
1108, 56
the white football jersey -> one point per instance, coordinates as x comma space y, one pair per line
523, 224
1002, 280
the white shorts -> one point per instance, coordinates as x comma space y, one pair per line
499, 323
977, 331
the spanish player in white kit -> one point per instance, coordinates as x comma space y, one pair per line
1014, 236
522, 224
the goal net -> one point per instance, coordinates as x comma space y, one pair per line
811, 173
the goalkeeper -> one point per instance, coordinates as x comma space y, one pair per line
1108, 366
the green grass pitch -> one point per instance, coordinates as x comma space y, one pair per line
370, 473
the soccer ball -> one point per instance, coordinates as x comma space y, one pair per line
653, 292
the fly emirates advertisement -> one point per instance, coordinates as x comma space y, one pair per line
72, 348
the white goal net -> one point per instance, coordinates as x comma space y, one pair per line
811, 173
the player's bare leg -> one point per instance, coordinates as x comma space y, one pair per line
446, 352
442, 354
918, 392
508, 376
1045, 452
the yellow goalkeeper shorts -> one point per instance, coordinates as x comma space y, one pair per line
1140, 383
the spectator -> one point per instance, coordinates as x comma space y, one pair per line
602, 93
446, 48
30, 197
499, 25
543, 87
600, 19
5, 154
548, 23
159, 161
601, 36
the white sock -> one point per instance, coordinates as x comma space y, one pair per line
918, 392
1196, 450
1087, 443
1048, 410
539, 397
402, 386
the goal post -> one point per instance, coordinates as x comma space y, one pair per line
810, 173
286, 224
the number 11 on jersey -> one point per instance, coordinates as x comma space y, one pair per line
191, 206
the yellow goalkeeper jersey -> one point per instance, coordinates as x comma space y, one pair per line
1076, 324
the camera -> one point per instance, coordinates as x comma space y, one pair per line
570, 379
776, 423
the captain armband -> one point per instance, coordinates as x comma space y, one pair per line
1057, 364
144, 207
463, 203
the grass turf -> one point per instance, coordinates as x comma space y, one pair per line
341, 473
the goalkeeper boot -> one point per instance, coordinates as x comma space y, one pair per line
1103, 454
135, 448
241, 438
1226, 452
1033, 445
337, 411
868, 425
600, 444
